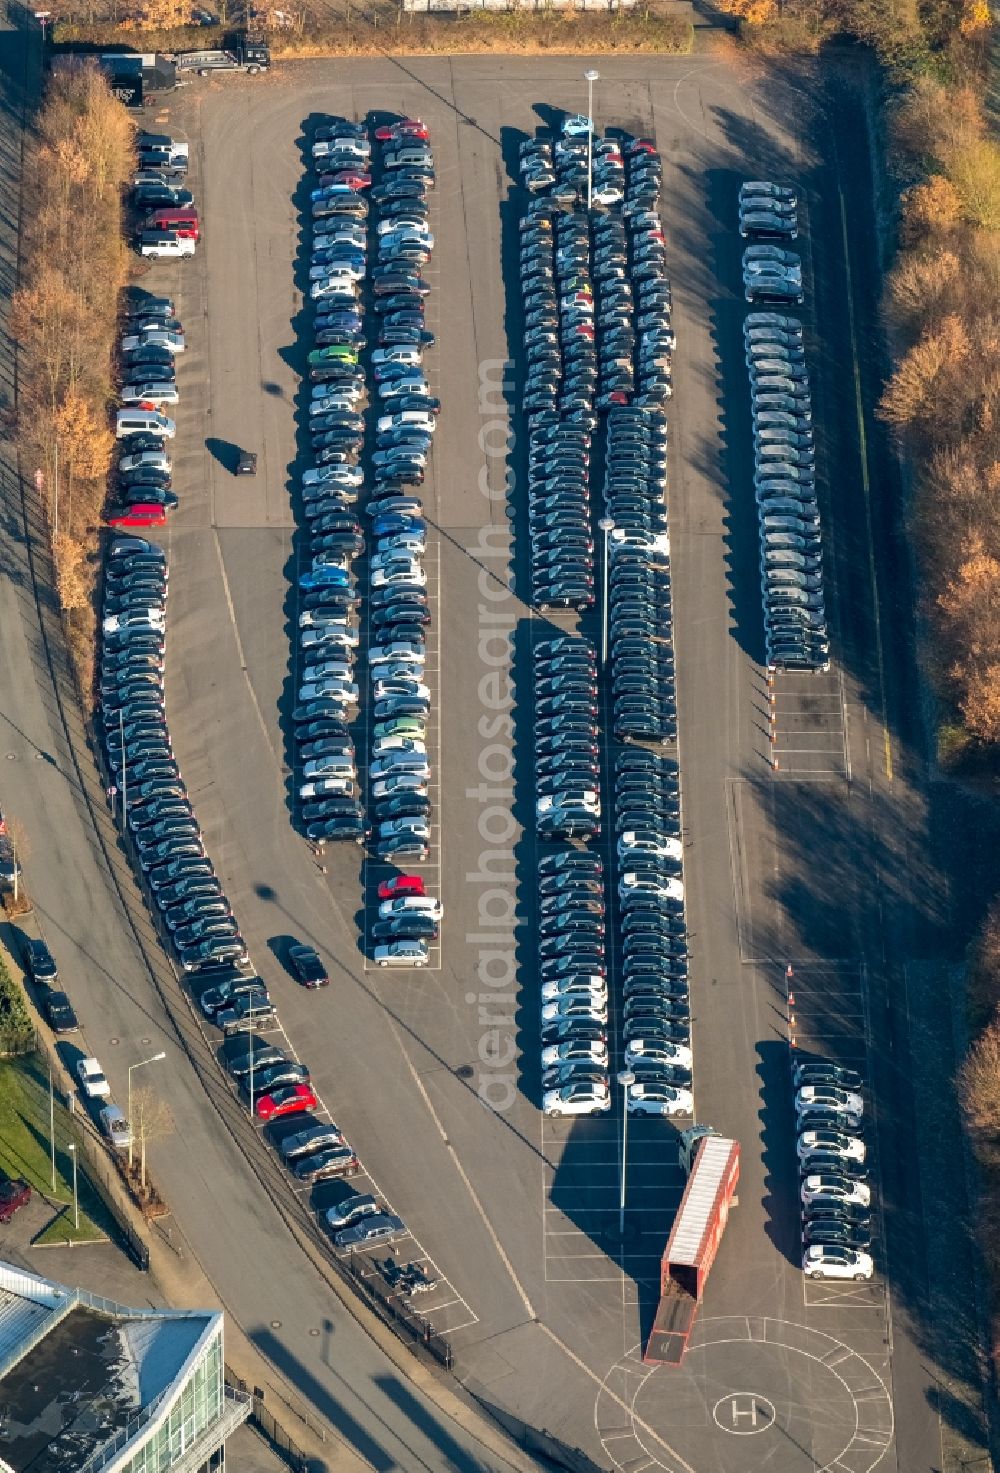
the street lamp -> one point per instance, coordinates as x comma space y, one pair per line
121, 733
626, 1078
607, 526
591, 76
154, 1059
76, 1195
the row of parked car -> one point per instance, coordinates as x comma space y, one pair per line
167, 223
399, 771
655, 1012
558, 296
639, 613
152, 338
791, 540
834, 1190
277, 1088
567, 770
147, 790
328, 689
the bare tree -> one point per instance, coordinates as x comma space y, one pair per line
151, 1119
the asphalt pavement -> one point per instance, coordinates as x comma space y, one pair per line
809, 865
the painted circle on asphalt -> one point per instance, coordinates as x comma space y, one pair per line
752, 1394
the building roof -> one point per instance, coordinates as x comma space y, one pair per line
76, 1370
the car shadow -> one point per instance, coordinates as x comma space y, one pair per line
225, 452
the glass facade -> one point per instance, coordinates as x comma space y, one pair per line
198, 1405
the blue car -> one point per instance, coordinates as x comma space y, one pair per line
325, 578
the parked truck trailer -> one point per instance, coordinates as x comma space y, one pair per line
713, 1167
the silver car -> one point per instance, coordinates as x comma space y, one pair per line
379, 1227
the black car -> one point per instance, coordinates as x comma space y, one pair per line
400, 928
58, 1012
306, 964
41, 963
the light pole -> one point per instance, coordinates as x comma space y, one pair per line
121, 733
625, 1079
591, 76
607, 526
76, 1195
52, 1129
154, 1059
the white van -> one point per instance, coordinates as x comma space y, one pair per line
144, 422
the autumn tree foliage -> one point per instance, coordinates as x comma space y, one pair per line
64, 313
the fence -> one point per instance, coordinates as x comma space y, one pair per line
536, 6
417, 1332
268, 1425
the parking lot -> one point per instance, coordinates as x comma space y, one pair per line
517, 1214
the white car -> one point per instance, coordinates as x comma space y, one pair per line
314, 619
576, 125
630, 842
417, 826
657, 1051
324, 787
167, 250
116, 1127
322, 475
419, 419
637, 885
387, 687
829, 1097
403, 353
327, 669
589, 1097
553, 801
393, 388
407, 570
150, 391
402, 954
154, 337
575, 1005
359, 147
333, 635
329, 767
830, 1261
400, 782
650, 1097
334, 690
593, 986
836, 1142
145, 460
608, 194
400, 649
413, 745
392, 764
842, 1188
340, 286
403, 905
413, 543
91, 1077
136, 619
582, 1051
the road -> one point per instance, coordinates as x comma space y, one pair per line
543, 1316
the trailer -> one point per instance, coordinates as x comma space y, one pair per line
713, 1167
242, 53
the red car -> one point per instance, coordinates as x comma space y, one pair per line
291, 1099
143, 515
407, 128
641, 145
347, 176
401, 885
13, 1195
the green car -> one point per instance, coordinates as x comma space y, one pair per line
410, 726
334, 353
